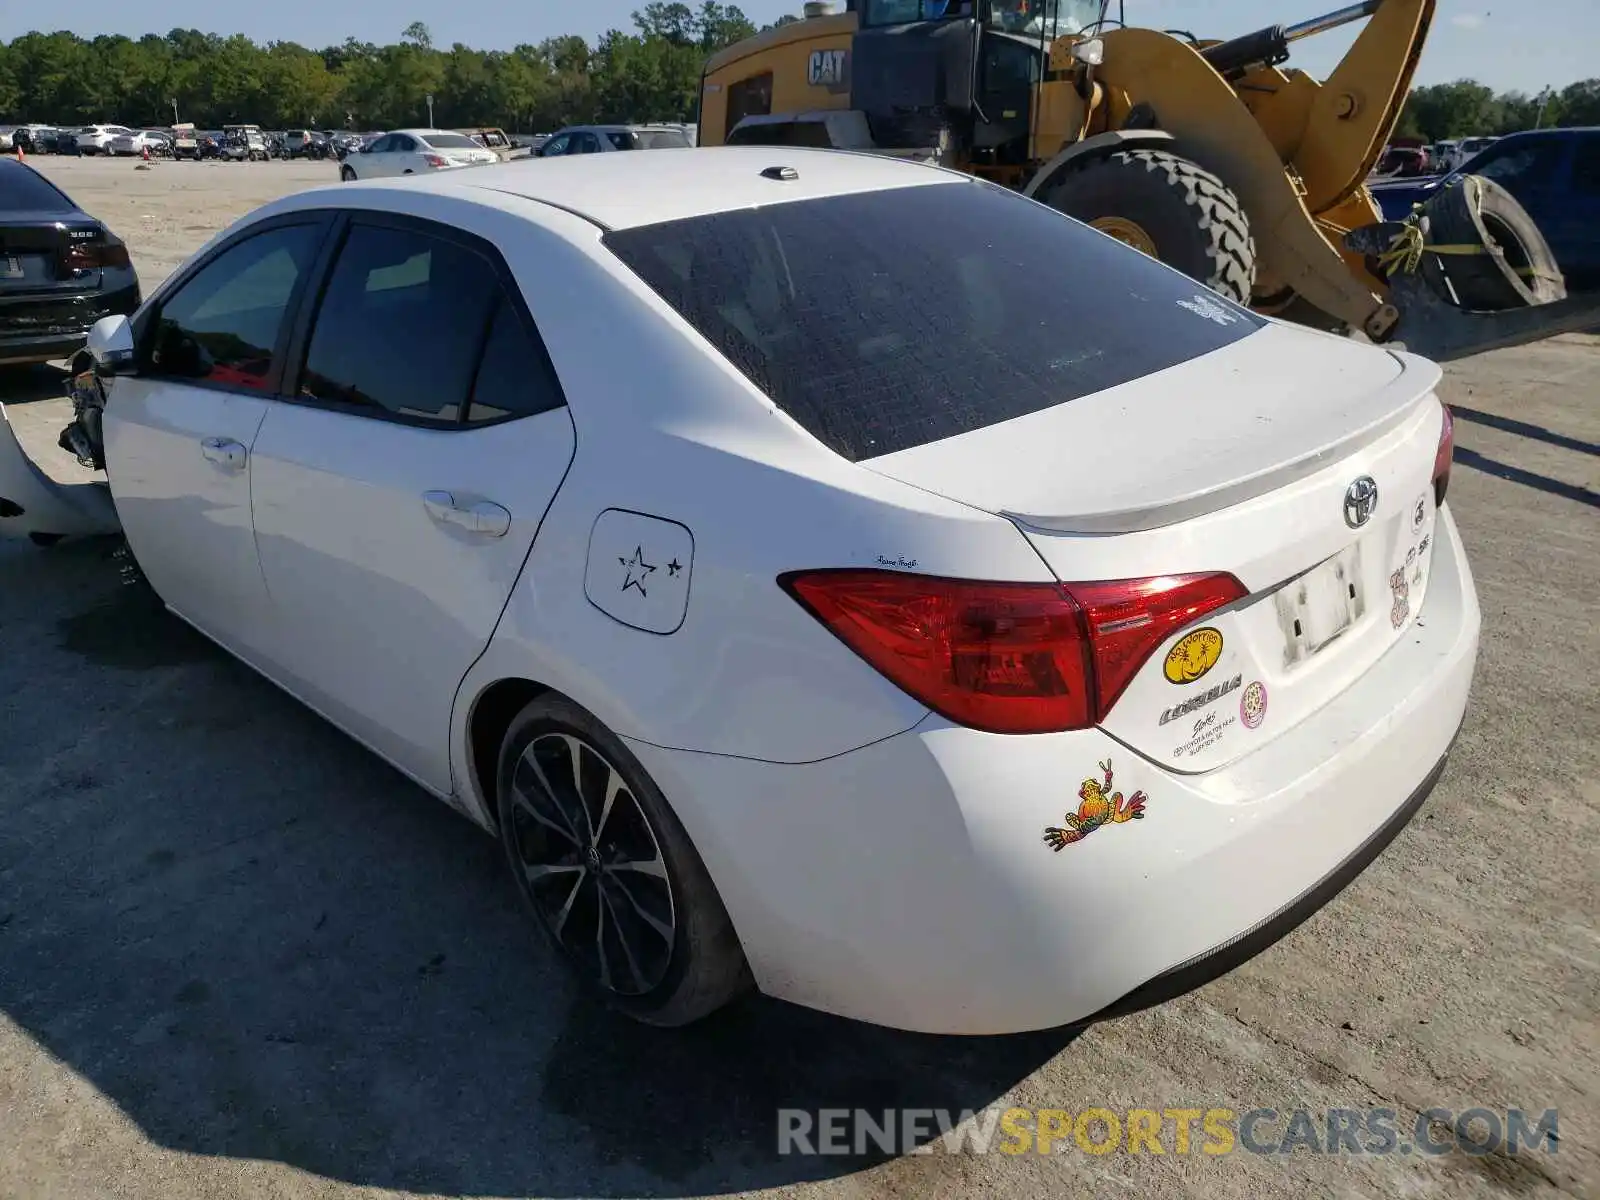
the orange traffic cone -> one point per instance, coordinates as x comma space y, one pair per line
147, 152
19, 151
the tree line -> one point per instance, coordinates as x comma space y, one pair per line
650, 74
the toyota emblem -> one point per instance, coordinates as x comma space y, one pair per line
1360, 501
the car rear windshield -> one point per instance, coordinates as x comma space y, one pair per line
21, 190
451, 141
661, 139
889, 319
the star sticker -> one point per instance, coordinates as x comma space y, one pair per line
638, 571
673, 568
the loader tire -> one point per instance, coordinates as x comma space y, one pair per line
1191, 219
1478, 211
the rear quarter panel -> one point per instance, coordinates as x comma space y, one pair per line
671, 430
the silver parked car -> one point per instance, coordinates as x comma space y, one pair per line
602, 139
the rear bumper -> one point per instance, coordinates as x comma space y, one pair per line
906, 883
37, 329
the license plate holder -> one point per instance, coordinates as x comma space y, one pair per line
1321, 606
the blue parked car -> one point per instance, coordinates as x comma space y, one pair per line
1553, 173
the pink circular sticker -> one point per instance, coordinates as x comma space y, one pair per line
1253, 704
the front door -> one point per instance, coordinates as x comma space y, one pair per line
179, 433
397, 498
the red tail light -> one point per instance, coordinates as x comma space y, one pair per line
1007, 657
435, 160
86, 255
1444, 457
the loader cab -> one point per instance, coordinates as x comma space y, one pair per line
965, 71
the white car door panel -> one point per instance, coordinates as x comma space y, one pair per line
394, 509
385, 579
179, 433
180, 474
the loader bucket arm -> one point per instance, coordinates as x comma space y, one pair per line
1358, 105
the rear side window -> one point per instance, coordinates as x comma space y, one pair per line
890, 319
401, 325
515, 377
783, 133
1517, 166
23, 190
620, 139
1586, 165
662, 139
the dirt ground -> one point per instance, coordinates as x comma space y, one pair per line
241, 956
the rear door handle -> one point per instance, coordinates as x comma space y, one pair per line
225, 452
483, 516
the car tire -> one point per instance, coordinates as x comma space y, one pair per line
347, 174
1478, 212
1169, 207
654, 942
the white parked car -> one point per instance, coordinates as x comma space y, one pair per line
97, 139
415, 152
136, 141
890, 626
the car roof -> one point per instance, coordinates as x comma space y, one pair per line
1567, 131
623, 191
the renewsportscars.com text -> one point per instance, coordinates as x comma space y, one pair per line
1176, 1131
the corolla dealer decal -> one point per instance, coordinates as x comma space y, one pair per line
1199, 700
1207, 733
1101, 806
1194, 655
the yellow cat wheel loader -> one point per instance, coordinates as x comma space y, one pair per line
1216, 157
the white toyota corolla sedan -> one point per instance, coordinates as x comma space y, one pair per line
821, 572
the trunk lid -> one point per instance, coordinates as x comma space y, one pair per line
36, 250
1238, 462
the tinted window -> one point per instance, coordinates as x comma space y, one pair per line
661, 139
452, 141
555, 146
621, 139
23, 190
584, 143
748, 98
1517, 166
382, 146
222, 325
514, 376
1586, 165
888, 319
401, 324
783, 133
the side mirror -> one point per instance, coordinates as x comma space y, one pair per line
111, 345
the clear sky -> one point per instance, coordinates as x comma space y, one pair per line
1524, 45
